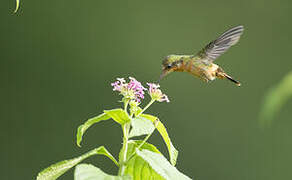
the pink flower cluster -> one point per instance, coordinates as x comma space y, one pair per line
132, 90
156, 93
135, 91
137, 87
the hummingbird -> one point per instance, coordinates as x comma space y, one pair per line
201, 64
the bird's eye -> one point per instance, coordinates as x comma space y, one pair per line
169, 66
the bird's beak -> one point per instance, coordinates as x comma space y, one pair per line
163, 74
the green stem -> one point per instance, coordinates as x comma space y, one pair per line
126, 129
126, 106
146, 107
145, 139
124, 150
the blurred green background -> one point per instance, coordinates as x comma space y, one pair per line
58, 59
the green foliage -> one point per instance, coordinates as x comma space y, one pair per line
118, 115
274, 100
173, 153
141, 126
136, 166
90, 172
16, 6
82, 128
137, 159
161, 165
56, 170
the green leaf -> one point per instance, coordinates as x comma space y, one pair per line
141, 126
82, 128
118, 115
16, 6
138, 168
103, 151
173, 153
56, 170
90, 172
274, 100
160, 164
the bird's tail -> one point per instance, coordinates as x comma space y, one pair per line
222, 75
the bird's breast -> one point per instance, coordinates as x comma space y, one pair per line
203, 71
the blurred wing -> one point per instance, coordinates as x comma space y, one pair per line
217, 47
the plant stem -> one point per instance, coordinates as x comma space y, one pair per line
124, 161
124, 149
146, 107
126, 129
126, 106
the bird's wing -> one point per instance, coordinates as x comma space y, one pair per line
217, 47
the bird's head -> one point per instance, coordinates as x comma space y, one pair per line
169, 64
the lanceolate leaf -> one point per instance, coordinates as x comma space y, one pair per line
90, 172
161, 165
16, 6
82, 128
173, 153
56, 170
118, 115
138, 168
275, 99
103, 151
141, 126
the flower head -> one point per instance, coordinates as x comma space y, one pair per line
156, 93
131, 91
119, 84
137, 87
